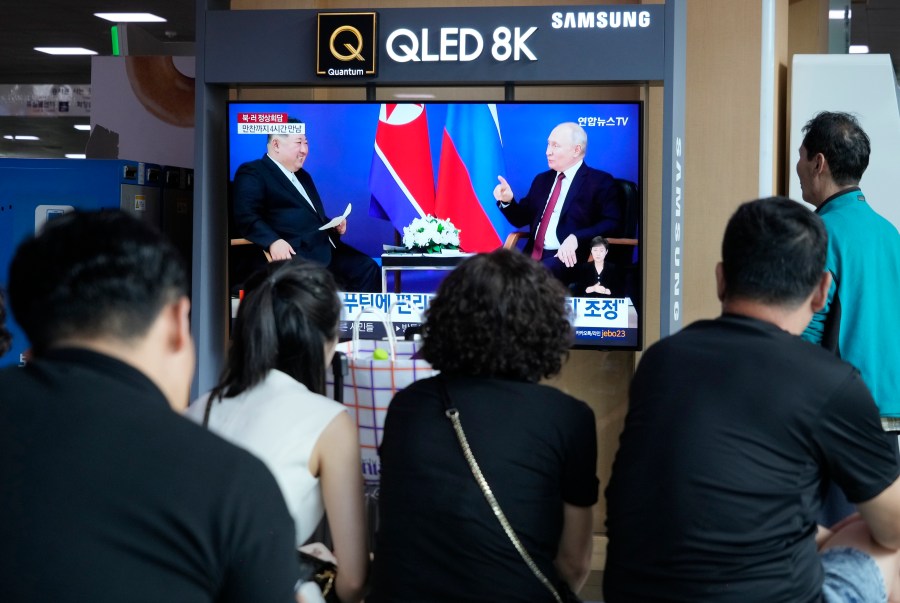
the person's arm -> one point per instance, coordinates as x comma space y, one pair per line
882, 516
518, 212
249, 203
815, 331
258, 538
580, 492
606, 212
573, 558
336, 455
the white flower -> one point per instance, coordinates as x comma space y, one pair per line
430, 232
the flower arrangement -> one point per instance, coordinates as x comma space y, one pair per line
430, 235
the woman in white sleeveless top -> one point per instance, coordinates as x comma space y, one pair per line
270, 401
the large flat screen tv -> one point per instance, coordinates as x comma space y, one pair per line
394, 162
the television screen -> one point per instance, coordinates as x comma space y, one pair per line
395, 163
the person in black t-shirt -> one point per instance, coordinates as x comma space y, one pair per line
497, 325
106, 493
734, 428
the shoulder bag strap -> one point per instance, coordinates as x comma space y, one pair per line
453, 414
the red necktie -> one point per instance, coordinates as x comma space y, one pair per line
538, 249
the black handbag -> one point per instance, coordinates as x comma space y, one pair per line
323, 573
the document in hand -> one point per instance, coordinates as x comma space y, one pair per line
335, 221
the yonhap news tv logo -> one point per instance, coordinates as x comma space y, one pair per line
346, 44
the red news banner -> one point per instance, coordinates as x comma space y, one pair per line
267, 123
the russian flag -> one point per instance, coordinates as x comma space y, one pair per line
401, 180
471, 160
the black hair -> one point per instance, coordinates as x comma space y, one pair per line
600, 240
773, 252
5, 337
290, 311
291, 120
499, 314
840, 138
93, 274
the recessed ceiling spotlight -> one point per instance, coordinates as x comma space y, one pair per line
130, 17
63, 50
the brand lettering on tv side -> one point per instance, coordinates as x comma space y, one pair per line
676, 252
457, 44
624, 19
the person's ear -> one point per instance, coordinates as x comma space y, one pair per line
821, 163
179, 335
720, 282
820, 293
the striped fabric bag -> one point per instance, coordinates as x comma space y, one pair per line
371, 383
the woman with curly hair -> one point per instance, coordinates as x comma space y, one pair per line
498, 324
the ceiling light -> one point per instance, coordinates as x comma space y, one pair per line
412, 95
76, 156
8, 136
859, 49
63, 50
83, 127
839, 14
11, 137
130, 17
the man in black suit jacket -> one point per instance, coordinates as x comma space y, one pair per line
587, 204
277, 206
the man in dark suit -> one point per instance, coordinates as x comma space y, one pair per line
277, 206
567, 205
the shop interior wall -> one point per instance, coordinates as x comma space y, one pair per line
722, 122
807, 34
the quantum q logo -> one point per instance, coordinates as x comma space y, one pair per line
346, 44
354, 49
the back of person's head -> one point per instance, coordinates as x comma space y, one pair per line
5, 337
95, 275
773, 252
499, 314
843, 143
290, 312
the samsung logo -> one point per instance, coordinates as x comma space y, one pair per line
600, 19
